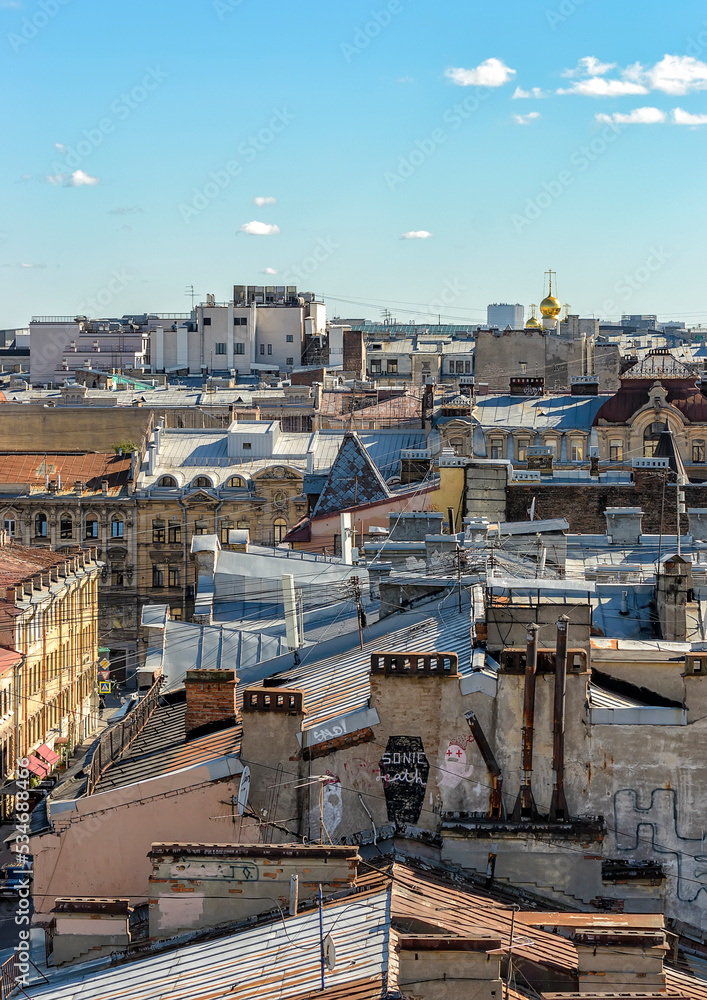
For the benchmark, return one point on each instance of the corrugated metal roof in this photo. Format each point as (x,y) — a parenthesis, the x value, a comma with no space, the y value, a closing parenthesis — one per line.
(538,412)
(33,468)
(280,959)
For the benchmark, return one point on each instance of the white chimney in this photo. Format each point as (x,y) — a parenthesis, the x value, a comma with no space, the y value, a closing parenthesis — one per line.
(346,539)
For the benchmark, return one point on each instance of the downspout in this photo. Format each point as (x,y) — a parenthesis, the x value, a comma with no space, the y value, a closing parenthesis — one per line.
(525,808)
(559,812)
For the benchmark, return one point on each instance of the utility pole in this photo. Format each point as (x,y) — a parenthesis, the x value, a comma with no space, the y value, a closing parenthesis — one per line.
(459,574)
(360,613)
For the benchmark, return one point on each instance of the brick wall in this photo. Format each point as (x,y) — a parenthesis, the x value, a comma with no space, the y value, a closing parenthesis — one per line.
(583,504)
(354,362)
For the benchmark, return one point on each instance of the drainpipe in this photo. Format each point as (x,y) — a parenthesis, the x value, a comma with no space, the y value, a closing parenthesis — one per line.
(497,809)
(559,812)
(525,808)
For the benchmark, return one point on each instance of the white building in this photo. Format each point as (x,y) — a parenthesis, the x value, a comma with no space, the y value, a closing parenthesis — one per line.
(503,315)
(262,329)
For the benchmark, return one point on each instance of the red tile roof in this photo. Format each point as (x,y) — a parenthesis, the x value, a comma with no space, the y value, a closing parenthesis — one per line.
(19,562)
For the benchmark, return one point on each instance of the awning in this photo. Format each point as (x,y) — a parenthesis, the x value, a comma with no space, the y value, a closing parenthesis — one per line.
(47,754)
(35,765)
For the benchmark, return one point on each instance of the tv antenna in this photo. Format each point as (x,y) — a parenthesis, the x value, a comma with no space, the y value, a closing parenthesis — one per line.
(190,291)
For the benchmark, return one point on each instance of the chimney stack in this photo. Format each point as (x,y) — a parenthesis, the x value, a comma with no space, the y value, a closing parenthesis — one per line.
(211,700)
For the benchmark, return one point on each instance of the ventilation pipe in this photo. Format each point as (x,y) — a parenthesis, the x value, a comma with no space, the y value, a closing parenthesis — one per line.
(525,808)
(290,603)
(559,812)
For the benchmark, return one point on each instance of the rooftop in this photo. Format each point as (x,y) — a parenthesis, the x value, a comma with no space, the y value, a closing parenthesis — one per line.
(32,471)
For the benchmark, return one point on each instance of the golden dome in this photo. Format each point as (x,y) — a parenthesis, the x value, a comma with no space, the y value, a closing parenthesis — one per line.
(550,307)
(532,324)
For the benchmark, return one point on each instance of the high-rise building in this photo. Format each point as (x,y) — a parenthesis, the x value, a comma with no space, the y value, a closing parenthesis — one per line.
(503,315)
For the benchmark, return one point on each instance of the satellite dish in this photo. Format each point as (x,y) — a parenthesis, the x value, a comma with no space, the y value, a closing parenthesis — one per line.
(243,790)
(329,953)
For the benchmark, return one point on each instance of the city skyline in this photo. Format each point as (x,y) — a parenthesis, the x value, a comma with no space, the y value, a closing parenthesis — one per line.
(385,156)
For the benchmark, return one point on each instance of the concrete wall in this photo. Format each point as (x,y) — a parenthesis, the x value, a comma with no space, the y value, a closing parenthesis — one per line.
(485,490)
(500,355)
(27,427)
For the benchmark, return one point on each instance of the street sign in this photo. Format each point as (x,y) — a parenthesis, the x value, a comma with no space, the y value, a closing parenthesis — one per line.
(105,675)
(104,687)
(104,663)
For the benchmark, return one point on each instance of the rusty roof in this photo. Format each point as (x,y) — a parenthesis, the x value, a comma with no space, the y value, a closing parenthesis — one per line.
(20,562)
(31,469)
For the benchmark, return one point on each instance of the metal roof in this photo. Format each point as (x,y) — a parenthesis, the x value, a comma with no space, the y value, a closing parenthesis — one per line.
(538,412)
(33,469)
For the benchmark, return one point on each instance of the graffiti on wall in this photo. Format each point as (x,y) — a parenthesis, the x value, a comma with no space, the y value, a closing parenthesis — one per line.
(454,767)
(361,774)
(655,829)
(404,771)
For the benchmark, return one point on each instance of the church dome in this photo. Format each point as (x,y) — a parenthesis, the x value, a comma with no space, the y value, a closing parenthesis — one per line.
(550,307)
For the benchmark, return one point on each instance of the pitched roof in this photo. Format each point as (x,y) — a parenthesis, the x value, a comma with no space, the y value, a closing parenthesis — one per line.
(659,364)
(32,469)
(353,479)
(19,562)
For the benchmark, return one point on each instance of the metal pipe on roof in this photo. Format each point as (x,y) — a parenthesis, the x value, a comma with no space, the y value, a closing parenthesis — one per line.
(497,810)
(525,808)
(558,805)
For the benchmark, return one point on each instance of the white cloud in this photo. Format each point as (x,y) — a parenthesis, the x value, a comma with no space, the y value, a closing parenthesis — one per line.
(125,210)
(23,264)
(598,86)
(678,75)
(534,92)
(526,119)
(270,270)
(60,146)
(260,201)
(491,73)
(77,179)
(681,117)
(589,66)
(259,229)
(416,234)
(639,116)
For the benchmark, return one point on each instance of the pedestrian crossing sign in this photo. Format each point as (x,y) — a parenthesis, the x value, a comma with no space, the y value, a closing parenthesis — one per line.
(104,687)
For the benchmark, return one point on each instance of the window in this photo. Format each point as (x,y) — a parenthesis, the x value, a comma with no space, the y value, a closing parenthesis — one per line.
(116,528)
(240,321)
(375,367)
(158,533)
(467,367)
(393,367)
(236,482)
(40,526)
(175,576)
(220,348)
(10,526)
(698,451)
(290,338)
(247,446)
(207,321)
(244,525)
(289,361)
(648,448)
(157,576)
(167,481)
(616,450)
(523,446)
(91,527)
(66,526)
(280,529)
(262,348)
(269,348)
(224,529)
(239,348)
(551,443)
(202,482)
(524,368)
(496,447)
(175,614)
(576,451)
(174,533)
(117,575)
(201,527)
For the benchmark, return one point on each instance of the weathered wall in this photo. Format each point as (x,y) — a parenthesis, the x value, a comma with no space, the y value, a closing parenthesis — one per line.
(25,427)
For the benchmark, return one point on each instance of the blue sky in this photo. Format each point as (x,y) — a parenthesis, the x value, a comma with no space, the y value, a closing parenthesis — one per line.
(137,137)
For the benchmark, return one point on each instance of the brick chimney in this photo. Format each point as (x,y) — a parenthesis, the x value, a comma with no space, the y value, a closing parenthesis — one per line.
(211,700)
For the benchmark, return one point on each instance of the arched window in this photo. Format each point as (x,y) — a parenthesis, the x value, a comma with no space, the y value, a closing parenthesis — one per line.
(91,526)
(237,482)
(651,436)
(66,526)
(167,481)
(280,529)
(40,526)
(116,527)
(202,482)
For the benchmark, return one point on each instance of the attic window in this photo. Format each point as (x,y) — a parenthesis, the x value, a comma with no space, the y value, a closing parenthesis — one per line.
(247,446)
